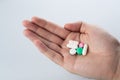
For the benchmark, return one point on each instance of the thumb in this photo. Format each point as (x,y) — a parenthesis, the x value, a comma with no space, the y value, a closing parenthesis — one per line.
(81,27)
(73,26)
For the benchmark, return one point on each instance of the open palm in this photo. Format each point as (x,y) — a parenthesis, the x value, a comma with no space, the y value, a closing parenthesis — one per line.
(51,40)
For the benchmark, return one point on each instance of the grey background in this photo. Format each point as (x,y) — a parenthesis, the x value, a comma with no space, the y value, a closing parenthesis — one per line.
(19,58)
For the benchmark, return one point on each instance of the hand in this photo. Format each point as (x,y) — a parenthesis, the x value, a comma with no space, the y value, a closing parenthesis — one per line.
(102,57)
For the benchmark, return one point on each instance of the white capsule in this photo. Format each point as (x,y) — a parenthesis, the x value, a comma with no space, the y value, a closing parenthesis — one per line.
(85,50)
(72,51)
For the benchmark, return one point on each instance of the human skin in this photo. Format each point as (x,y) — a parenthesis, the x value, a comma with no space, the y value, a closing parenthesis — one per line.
(102,61)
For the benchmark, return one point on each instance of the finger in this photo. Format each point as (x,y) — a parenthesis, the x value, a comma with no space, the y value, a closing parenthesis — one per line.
(53,28)
(55,57)
(77,27)
(43,33)
(30,25)
(32,36)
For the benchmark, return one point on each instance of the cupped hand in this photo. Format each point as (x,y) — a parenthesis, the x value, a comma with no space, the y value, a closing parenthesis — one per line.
(51,40)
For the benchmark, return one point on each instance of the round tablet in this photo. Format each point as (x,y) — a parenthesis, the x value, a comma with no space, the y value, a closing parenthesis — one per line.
(79,51)
(81,45)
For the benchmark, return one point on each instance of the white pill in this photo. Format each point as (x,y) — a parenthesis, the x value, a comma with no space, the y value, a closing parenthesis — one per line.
(69,45)
(85,50)
(72,51)
(72,44)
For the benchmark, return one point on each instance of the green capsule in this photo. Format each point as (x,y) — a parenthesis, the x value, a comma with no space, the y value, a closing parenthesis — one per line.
(79,51)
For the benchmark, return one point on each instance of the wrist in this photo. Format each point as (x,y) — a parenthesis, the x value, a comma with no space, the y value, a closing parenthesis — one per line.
(117,74)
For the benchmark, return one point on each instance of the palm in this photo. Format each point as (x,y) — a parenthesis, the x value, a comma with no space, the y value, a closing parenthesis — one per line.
(54,47)
(100,56)
(69,60)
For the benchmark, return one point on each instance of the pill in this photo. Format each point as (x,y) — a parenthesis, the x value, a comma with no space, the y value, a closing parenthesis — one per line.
(68,45)
(72,44)
(81,45)
(85,49)
(72,51)
(79,51)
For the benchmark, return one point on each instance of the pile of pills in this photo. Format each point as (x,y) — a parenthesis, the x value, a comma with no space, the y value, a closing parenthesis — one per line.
(77,48)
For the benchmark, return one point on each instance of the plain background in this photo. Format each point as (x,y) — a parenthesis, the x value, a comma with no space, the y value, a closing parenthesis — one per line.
(20,59)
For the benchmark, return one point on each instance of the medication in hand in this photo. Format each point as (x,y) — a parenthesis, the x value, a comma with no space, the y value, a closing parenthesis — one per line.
(77,48)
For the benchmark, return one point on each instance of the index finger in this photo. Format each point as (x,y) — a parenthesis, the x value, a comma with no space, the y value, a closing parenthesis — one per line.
(53,28)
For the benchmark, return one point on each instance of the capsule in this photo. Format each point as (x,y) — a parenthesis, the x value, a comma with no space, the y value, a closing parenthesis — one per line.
(85,49)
